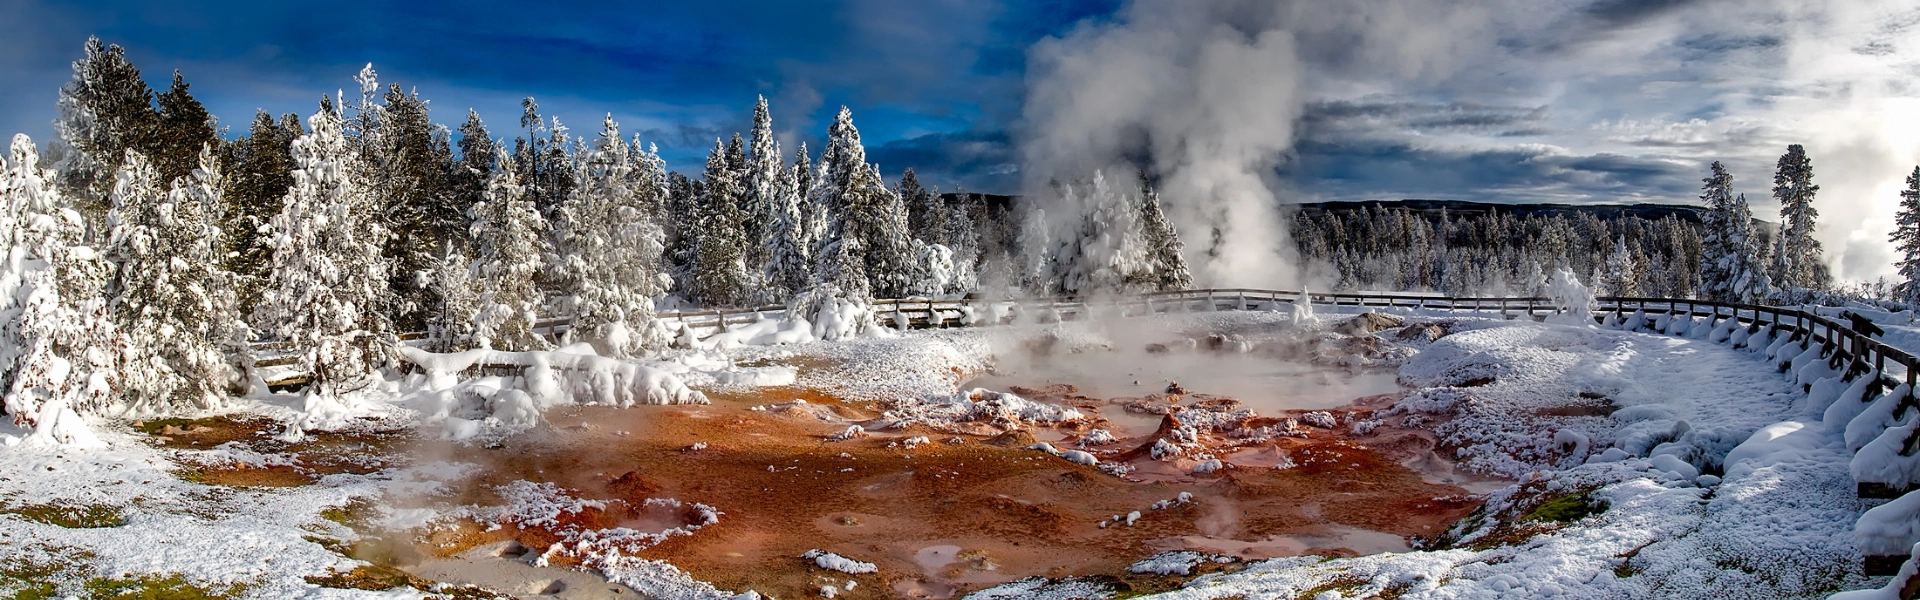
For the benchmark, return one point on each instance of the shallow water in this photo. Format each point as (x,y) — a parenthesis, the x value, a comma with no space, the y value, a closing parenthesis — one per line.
(1266,385)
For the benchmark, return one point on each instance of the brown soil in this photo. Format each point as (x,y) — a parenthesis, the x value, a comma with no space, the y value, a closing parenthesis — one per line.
(1014,512)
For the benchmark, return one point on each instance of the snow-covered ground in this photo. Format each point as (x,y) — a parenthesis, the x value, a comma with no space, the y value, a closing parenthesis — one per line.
(1645,465)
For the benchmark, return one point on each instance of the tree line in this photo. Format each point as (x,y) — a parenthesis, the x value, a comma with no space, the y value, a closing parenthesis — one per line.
(149,250)
(1726,255)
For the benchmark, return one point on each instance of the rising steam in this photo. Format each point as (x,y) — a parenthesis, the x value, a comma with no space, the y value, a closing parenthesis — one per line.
(1206,95)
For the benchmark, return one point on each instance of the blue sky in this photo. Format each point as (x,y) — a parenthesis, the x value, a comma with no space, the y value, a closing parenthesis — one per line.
(681,73)
(1503,100)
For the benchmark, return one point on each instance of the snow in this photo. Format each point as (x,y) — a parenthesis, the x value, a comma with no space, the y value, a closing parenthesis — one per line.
(1889,528)
(835,562)
(1179,562)
(1895,589)
(1884,460)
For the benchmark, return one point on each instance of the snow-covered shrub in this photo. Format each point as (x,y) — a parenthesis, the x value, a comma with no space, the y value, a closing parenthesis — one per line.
(1573,302)
(834,315)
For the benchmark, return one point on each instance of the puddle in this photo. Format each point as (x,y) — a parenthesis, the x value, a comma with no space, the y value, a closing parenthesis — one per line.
(504,567)
(1361,541)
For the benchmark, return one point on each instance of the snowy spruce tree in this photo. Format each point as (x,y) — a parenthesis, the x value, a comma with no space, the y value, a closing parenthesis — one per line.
(327,291)
(787,248)
(610,248)
(259,168)
(760,200)
(1721,252)
(1798,262)
(452,320)
(1108,254)
(171,299)
(105,110)
(719,275)
(1906,241)
(509,242)
(1166,256)
(61,352)
(1621,276)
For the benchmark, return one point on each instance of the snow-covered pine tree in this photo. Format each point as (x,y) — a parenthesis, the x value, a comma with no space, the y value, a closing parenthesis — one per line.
(1751,284)
(1035,266)
(454,318)
(1906,240)
(104,110)
(170,297)
(473,171)
(62,351)
(612,251)
(1166,255)
(719,275)
(1720,252)
(760,199)
(1798,263)
(788,251)
(260,169)
(874,215)
(328,285)
(182,128)
(926,214)
(1620,276)
(509,242)
(1109,254)
(962,237)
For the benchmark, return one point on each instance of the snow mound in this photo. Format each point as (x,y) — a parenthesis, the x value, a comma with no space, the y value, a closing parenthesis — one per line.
(835,562)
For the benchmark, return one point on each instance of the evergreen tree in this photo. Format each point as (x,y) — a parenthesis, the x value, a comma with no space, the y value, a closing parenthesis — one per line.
(453,321)
(60,351)
(182,129)
(1751,284)
(473,173)
(874,215)
(719,275)
(409,165)
(1166,255)
(1622,275)
(962,238)
(509,241)
(328,280)
(761,194)
(611,251)
(1107,253)
(1906,240)
(925,212)
(1720,251)
(260,169)
(787,248)
(104,111)
(1798,263)
(1035,268)
(171,298)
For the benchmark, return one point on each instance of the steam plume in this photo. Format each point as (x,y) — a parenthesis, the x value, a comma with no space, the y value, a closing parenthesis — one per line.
(1206,95)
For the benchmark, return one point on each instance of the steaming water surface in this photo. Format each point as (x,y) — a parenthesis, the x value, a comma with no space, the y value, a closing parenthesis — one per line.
(1266,385)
